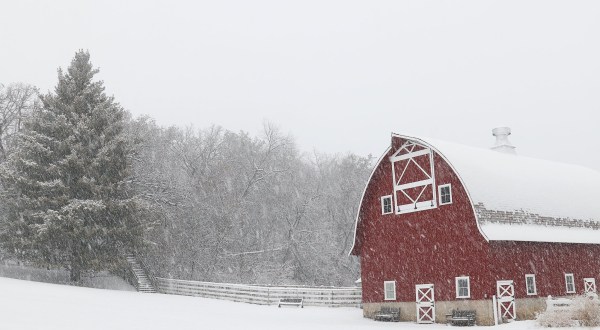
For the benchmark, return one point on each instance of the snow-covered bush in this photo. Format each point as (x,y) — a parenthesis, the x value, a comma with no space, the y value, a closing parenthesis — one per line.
(556,319)
(586,310)
(583,311)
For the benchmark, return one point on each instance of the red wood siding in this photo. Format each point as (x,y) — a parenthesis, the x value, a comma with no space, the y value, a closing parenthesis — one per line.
(433,246)
(437,245)
(548,261)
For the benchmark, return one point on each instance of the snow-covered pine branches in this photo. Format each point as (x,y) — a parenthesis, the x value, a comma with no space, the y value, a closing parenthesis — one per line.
(70,204)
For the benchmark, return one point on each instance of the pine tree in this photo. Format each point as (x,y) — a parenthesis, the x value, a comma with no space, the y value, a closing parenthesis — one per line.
(69,202)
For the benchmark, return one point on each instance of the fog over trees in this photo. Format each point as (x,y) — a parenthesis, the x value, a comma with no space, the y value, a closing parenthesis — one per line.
(214,205)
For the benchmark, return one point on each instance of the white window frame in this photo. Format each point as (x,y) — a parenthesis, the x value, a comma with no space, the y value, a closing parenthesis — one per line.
(385,296)
(456,279)
(534,293)
(391,205)
(591,280)
(440,193)
(567,275)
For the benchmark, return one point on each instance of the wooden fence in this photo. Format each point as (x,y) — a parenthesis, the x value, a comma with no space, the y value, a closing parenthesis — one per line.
(558,304)
(263,295)
(567,304)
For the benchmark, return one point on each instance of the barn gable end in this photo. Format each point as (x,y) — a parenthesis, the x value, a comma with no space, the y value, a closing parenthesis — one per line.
(420,237)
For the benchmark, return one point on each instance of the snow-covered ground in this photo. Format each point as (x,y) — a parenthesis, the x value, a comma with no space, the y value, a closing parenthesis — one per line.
(101,280)
(34,305)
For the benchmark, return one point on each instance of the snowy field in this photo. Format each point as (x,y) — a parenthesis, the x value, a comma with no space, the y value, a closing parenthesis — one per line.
(34,306)
(102,280)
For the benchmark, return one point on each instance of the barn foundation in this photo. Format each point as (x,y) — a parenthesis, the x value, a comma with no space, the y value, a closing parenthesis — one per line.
(408,310)
(527,308)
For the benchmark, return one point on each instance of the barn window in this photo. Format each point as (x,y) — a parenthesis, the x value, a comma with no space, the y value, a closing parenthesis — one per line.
(570,283)
(389,290)
(589,285)
(445,192)
(530,284)
(386,204)
(463,287)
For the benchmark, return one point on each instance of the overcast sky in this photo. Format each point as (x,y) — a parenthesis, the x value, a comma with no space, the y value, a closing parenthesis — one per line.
(339,75)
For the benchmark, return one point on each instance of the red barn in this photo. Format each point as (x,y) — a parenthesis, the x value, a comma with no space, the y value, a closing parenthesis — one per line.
(444,226)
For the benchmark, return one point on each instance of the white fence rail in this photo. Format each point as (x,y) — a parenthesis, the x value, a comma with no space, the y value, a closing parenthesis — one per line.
(263,295)
(558,304)
(567,304)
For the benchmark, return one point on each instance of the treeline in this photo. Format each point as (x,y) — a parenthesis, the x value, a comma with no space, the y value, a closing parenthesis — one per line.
(228,206)
(231,207)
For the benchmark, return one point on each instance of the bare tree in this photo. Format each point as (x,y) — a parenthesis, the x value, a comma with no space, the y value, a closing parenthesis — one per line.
(250,209)
(17,100)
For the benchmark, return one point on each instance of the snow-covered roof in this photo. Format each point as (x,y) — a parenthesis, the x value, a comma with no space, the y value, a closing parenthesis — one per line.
(526,199)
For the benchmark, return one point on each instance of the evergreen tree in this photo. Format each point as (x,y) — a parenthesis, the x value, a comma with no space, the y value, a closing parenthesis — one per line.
(69,202)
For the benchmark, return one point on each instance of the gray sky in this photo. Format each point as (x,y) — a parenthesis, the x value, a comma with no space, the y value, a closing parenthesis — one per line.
(339,75)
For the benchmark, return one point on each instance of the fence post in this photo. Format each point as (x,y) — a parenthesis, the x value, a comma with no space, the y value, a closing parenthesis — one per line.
(495,309)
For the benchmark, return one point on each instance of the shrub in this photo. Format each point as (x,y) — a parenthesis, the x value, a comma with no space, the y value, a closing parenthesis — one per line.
(556,319)
(584,311)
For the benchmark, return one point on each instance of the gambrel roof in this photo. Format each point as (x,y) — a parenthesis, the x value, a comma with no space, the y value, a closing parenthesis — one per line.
(521,198)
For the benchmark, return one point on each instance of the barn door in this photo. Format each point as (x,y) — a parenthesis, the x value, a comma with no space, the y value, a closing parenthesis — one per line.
(506,299)
(413,178)
(589,285)
(425,303)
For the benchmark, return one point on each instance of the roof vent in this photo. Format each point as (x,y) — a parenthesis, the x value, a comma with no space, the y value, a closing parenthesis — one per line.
(502,144)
